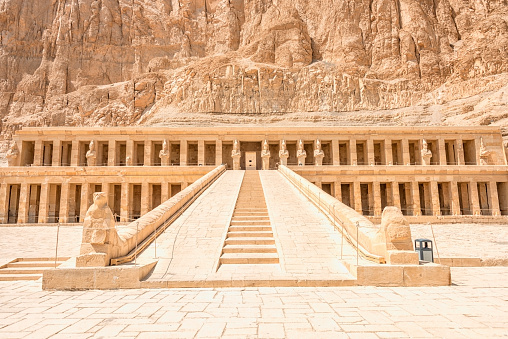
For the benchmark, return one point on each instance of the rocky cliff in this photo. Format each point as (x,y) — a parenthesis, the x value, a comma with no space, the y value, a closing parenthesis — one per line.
(125,62)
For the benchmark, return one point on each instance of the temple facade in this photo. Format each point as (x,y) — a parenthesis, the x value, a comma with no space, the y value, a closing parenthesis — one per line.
(429,173)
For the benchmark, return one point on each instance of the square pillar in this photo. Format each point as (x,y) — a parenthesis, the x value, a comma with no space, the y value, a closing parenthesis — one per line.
(148,153)
(145,198)
(352,155)
(38,153)
(183,153)
(377,198)
(460,152)
(4,201)
(388,152)
(164,191)
(337,190)
(44,203)
(405,152)
(357,196)
(396,195)
(370,152)
(335,153)
(124,203)
(417,210)
(434,193)
(455,198)
(201,152)
(112,153)
(75,153)
(442,152)
(474,198)
(184,185)
(85,189)
(24,203)
(129,154)
(64,203)
(494,199)
(57,153)
(218,152)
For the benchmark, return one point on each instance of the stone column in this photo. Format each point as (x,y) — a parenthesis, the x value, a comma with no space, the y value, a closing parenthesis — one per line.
(494,199)
(335,153)
(455,206)
(377,198)
(145,198)
(396,195)
(112,153)
(106,189)
(75,153)
(337,190)
(370,152)
(38,153)
(442,151)
(357,197)
(64,202)
(148,153)
(460,152)
(85,192)
(44,203)
(477,143)
(57,153)
(4,201)
(129,153)
(352,152)
(24,203)
(405,152)
(417,211)
(218,152)
(124,203)
(434,193)
(46,161)
(388,152)
(201,152)
(164,191)
(183,152)
(475,203)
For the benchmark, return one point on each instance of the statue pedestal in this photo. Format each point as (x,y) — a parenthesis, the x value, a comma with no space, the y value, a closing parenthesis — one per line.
(266,161)
(236,161)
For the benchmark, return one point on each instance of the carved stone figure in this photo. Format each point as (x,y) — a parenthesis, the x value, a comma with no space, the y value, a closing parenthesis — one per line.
(236,155)
(99,234)
(283,153)
(164,154)
(484,153)
(301,154)
(12,154)
(91,155)
(426,153)
(265,155)
(128,161)
(318,154)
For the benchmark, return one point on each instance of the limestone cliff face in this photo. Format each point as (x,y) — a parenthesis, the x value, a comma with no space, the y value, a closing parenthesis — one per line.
(121,62)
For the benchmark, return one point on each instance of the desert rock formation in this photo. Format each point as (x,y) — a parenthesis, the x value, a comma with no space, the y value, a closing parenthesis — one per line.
(125,62)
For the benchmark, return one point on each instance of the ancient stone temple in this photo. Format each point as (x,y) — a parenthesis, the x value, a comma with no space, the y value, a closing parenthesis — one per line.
(429,173)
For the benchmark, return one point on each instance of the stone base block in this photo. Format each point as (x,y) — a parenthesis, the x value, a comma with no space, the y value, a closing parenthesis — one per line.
(92,260)
(85,278)
(402,258)
(428,274)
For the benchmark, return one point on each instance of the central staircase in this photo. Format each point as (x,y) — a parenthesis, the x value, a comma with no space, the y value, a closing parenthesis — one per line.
(250,236)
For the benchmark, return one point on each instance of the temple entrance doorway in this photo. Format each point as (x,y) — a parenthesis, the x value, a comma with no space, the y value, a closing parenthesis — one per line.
(250,160)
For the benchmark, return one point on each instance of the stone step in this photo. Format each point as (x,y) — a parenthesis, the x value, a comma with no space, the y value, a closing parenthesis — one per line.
(249,258)
(244,215)
(33,264)
(249,228)
(250,222)
(24,270)
(13,277)
(251,234)
(250,241)
(249,249)
(251,210)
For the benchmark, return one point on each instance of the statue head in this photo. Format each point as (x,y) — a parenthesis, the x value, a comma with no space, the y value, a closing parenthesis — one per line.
(283,145)
(165,145)
(100,199)
(318,144)
(300,145)
(235,145)
(92,146)
(424,144)
(265,145)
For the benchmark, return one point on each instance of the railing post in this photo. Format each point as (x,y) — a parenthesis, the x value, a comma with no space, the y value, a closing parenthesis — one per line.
(357,227)
(56,247)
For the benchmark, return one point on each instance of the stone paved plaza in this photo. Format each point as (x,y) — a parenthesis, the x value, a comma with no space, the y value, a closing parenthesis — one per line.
(476,306)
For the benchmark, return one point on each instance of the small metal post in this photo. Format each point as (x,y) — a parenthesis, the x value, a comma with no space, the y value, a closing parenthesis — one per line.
(357,250)
(56,247)
(435,242)
(155,239)
(136,250)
